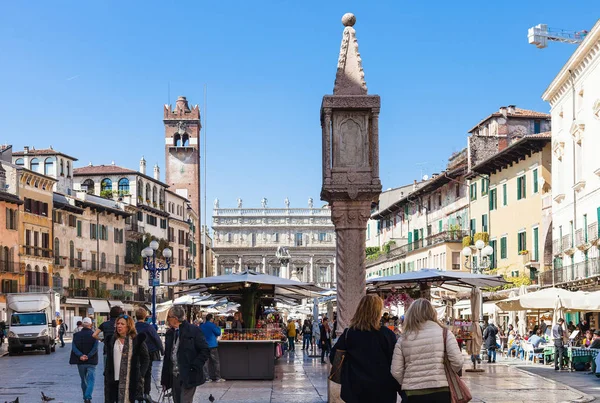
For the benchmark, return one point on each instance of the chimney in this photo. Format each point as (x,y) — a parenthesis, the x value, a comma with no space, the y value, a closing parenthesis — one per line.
(25,149)
(511,109)
(415,185)
(503,111)
(143,166)
(156,172)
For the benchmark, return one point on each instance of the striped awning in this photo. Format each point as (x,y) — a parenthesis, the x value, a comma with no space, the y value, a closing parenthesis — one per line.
(100,305)
(77,301)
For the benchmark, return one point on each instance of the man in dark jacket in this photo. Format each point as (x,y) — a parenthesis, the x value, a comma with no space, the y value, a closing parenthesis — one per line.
(84,353)
(186,352)
(154,345)
(489,337)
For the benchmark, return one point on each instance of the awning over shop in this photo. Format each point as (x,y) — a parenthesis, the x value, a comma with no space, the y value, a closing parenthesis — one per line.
(77,301)
(128,307)
(100,305)
(115,303)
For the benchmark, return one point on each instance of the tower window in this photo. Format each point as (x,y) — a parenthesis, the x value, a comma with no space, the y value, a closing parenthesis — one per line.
(177,140)
(19,161)
(123,186)
(105,185)
(48,166)
(185,140)
(88,186)
(34,165)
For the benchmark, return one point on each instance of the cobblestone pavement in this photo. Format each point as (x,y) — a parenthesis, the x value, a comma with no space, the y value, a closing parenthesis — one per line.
(299,378)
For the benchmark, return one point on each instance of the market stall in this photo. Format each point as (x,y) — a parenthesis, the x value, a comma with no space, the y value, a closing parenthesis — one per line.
(250,352)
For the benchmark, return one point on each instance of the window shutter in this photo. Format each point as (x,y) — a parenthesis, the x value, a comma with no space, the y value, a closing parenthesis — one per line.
(518,188)
(8,214)
(535,181)
(524,179)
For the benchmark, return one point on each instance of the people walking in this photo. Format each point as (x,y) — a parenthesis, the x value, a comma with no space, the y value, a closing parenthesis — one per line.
(559,345)
(153,344)
(212,368)
(291,334)
(418,362)
(84,354)
(186,352)
(306,335)
(489,336)
(325,339)
(62,330)
(368,347)
(127,360)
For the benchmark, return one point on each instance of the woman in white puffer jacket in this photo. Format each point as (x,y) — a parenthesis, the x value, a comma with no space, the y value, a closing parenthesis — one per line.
(418,362)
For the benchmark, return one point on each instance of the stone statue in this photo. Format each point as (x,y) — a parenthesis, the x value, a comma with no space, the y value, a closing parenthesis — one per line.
(264,202)
(216,203)
(310,202)
(239,200)
(287,202)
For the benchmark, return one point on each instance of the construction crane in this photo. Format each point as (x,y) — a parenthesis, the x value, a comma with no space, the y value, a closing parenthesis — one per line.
(541,34)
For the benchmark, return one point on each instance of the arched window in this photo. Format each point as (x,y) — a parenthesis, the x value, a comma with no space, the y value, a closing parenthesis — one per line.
(88,185)
(177,140)
(48,167)
(103,260)
(44,279)
(185,140)
(37,276)
(68,169)
(123,186)
(140,189)
(154,194)
(117,264)
(106,184)
(148,192)
(62,167)
(71,254)
(56,251)
(19,161)
(34,164)
(72,281)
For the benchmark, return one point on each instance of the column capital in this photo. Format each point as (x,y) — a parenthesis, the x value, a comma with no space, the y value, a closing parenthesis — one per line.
(350,214)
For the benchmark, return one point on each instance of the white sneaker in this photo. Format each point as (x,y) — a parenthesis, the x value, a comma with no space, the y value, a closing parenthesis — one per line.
(221,380)
(208,380)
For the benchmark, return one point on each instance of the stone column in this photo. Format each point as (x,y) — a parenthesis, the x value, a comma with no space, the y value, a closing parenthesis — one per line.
(264,264)
(217,269)
(240,267)
(311,276)
(350,219)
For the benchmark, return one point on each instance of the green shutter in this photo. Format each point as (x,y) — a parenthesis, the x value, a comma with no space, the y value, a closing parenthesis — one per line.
(493,256)
(505,196)
(536,249)
(410,241)
(524,179)
(518,188)
(503,248)
(535,181)
(440,226)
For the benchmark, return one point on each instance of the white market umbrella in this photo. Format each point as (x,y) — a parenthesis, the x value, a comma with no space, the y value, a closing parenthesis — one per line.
(474,345)
(559,312)
(545,299)
(435,277)
(522,314)
(512,315)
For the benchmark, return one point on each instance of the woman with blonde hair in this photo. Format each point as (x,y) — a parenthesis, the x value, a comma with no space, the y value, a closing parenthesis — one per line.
(368,347)
(418,362)
(127,361)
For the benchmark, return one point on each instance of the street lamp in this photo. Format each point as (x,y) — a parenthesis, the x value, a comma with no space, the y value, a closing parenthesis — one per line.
(149,262)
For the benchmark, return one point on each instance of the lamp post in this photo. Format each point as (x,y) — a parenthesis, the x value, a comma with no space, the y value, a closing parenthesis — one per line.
(150,265)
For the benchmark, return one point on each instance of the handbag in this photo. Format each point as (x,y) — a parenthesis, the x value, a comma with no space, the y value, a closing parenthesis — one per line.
(335,374)
(458,388)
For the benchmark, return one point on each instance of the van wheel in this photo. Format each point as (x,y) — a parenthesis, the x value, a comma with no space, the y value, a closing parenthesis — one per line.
(47,349)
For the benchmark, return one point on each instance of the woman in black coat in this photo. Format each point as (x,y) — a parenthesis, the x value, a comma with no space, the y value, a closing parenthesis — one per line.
(124,383)
(489,337)
(369,348)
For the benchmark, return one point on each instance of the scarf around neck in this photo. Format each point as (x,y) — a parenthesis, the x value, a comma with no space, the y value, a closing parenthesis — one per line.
(125,369)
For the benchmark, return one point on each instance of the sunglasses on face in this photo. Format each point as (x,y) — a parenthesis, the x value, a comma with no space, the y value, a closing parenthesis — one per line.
(123,316)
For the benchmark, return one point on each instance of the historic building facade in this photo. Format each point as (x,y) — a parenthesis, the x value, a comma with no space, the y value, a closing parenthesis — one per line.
(574,99)
(248,238)
(510,207)
(422,224)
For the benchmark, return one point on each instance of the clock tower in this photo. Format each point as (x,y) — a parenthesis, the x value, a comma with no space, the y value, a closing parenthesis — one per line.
(182,158)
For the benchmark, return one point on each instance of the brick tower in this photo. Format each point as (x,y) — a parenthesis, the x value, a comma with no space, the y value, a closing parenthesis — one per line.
(182,159)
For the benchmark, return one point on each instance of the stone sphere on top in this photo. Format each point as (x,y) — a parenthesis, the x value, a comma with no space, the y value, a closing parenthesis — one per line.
(348,20)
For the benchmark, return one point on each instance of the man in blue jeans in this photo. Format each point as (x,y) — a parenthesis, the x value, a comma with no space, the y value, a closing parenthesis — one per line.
(84,353)
(212,367)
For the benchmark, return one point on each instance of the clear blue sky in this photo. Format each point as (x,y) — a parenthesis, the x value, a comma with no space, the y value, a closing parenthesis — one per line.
(90,79)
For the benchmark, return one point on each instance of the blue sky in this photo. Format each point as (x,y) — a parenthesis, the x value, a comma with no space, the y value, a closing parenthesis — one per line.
(90,79)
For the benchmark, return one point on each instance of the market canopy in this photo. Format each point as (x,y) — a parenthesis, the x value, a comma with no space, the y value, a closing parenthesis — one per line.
(546,298)
(234,284)
(436,277)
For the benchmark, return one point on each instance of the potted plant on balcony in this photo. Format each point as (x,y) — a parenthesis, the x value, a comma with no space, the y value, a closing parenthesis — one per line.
(140,199)
(106,193)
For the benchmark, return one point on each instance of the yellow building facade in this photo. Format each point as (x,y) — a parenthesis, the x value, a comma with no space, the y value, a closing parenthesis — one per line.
(510,207)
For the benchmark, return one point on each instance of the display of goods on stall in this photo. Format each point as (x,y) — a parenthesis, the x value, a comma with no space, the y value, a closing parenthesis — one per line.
(461,329)
(274,334)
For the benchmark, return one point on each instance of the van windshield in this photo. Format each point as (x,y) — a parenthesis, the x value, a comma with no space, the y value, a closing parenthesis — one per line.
(28,319)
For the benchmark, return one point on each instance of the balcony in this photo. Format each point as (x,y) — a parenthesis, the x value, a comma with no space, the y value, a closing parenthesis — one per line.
(402,250)
(121,294)
(576,272)
(76,292)
(37,288)
(29,250)
(9,267)
(556,247)
(135,228)
(567,244)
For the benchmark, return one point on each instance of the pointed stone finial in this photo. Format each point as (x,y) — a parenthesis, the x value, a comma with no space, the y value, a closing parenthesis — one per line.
(350,76)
